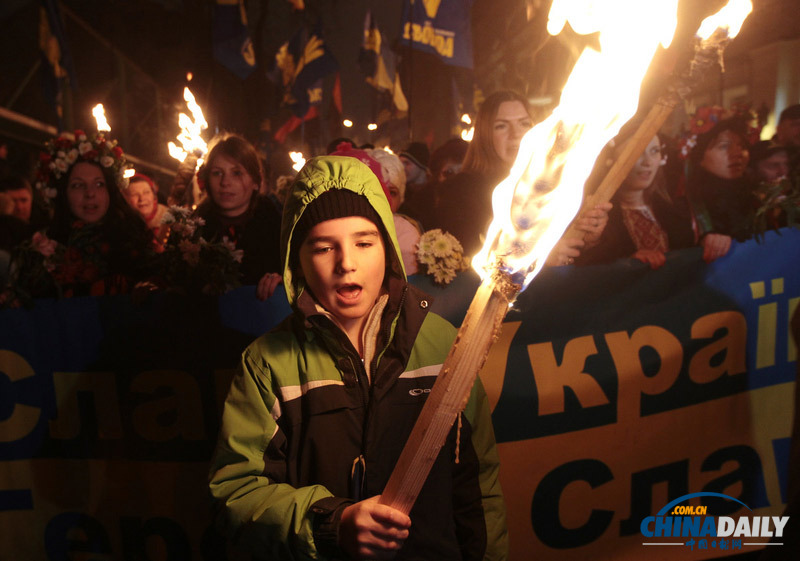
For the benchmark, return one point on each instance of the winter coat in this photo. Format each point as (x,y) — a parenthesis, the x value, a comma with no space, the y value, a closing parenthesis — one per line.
(256,233)
(306,432)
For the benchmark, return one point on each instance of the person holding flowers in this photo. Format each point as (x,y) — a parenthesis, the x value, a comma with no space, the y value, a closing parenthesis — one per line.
(234,212)
(96,243)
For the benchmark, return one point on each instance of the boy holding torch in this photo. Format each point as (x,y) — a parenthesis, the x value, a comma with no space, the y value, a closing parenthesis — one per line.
(322,406)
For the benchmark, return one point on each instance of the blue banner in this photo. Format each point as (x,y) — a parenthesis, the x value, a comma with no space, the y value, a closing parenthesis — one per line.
(614,390)
(440,27)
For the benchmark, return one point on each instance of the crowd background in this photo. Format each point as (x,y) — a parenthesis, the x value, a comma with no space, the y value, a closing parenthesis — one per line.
(76,224)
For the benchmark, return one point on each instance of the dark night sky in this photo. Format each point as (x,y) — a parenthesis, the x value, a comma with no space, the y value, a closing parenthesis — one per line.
(167,38)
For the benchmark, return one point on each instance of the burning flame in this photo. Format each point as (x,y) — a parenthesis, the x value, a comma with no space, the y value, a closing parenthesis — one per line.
(729,19)
(99,114)
(535,204)
(467,134)
(191,127)
(298,159)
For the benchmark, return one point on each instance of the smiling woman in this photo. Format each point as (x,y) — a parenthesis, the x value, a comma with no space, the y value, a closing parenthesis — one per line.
(96,244)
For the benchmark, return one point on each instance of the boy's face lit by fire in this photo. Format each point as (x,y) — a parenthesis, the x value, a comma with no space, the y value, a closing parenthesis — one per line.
(343,263)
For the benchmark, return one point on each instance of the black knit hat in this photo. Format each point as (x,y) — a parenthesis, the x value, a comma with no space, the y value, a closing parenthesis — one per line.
(418,153)
(336,203)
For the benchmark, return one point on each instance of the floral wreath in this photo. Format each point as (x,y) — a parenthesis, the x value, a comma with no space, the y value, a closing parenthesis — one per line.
(66,149)
(706,117)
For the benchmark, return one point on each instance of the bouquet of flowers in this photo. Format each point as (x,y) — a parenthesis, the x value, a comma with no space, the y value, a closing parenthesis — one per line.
(779,202)
(193,263)
(441,256)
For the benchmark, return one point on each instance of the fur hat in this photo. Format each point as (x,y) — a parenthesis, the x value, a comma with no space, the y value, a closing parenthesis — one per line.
(391,168)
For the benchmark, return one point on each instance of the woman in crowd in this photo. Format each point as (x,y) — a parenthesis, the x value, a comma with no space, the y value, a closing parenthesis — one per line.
(774,187)
(463,205)
(464,202)
(645,221)
(408,230)
(142,195)
(232,176)
(720,194)
(96,244)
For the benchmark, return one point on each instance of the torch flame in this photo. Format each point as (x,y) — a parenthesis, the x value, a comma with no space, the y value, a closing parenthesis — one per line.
(99,114)
(730,18)
(534,205)
(191,128)
(298,159)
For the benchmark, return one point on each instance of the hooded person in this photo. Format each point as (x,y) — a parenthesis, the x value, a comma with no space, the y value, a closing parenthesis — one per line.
(322,406)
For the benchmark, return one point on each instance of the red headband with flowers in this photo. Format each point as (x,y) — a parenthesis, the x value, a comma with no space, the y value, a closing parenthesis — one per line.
(67,149)
(708,116)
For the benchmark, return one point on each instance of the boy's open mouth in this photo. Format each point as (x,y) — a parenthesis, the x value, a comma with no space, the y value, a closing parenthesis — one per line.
(349,291)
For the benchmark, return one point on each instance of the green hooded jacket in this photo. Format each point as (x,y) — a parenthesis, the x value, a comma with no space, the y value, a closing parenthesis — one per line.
(308,428)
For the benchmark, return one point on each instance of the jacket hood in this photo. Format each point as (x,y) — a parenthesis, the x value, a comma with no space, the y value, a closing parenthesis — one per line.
(322,174)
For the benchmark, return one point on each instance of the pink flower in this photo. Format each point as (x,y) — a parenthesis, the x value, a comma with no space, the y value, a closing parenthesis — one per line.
(43,244)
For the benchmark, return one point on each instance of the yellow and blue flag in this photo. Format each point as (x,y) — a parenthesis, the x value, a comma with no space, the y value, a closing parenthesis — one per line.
(441,27)
(300,65)
(379,64)
(231,42)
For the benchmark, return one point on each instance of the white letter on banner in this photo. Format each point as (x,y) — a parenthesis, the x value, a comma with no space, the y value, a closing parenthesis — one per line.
(732,343)
(725,526)
(779,522)
(184,399)
(24,418)
(632,379)
(102,387)
(551,378)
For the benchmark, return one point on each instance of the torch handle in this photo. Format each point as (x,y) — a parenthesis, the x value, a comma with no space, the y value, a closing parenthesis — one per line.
(450,392)
(651,124)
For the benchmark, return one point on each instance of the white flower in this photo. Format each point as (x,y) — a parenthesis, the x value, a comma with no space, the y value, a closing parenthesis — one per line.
(50,193)
(82,138)
(72,155)
(84,147)
(61,154)
(106,161)
(236,254)
(190,252)
(443,246)
(61,165)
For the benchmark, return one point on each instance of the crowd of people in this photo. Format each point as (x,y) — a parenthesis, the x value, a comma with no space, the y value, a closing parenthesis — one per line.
(79,227)
(319,411)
